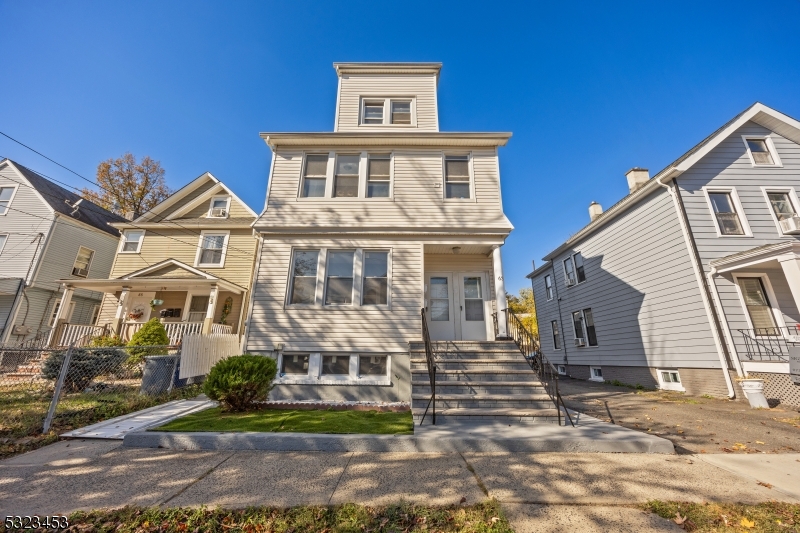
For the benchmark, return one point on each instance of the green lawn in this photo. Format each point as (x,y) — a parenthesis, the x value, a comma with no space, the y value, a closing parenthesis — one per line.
(296,421)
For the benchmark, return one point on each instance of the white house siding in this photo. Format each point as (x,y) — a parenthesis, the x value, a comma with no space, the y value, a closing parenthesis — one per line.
(643,293)
(418,197)
(319,328)
(353,87)
(728,165)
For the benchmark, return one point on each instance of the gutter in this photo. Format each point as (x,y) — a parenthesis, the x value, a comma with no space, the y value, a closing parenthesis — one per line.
(713,319)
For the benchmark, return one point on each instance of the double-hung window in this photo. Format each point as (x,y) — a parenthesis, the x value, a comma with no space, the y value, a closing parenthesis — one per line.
(782,205)
(583,324)
(219,207)
(378,176)
(574,271)
(339,278)
(3,240)
(375,289)
(373,112)
(304,277)
(401,112)
(345,181)
(579,270)
(132,241)
(577,325)
(728,219)
(315,175)
(387,111)
(556,335)
(82,262)
(212,249)
(548,287)
(456,176)
(569,272)
(6,195)
(761,151)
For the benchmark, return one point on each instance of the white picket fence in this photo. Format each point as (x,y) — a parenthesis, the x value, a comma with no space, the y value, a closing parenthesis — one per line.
(200,352)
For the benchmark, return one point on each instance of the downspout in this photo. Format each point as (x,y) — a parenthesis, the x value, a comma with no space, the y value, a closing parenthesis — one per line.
(252,292)
(731,347)
(701,282)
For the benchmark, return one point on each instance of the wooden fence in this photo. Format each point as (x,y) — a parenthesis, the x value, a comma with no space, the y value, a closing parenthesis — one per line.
(200,352)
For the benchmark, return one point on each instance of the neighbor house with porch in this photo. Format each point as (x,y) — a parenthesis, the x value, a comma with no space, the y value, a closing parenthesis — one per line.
(188,261)
(693,279)
(366,226)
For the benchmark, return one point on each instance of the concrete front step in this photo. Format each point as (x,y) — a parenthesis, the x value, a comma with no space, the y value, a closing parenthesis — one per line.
(478,365)
(521,376)
(528,416)
(484,401)
(478,388)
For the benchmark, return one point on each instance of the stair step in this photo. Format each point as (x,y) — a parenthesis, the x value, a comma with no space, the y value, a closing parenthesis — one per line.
(489,412)
(526,372)
(454,383)
(483,360)
(490,397)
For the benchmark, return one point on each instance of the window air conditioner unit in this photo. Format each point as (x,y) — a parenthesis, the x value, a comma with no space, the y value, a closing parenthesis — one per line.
(791,226)
(218,212)
(580,342)
(82,272)
(570,282)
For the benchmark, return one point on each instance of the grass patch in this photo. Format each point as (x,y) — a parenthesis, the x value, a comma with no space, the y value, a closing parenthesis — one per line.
(23,410)
(297,421)
(717,517)
(618,383)
(485,517)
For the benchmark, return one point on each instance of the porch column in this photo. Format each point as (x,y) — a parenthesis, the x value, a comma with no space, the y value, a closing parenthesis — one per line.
(500,294)
(791,269)
(122,308)
(212,305)
(61,315)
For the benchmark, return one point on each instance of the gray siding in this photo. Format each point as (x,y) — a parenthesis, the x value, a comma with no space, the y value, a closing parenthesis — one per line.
(642,290)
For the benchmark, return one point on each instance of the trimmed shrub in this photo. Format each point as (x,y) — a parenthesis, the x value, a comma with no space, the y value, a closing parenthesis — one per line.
(84,366)
(240,381)
(152,333)
(105,341)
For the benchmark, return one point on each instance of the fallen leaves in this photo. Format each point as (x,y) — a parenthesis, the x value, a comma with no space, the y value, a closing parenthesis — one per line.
(684,522)
(749,524)
(763,484)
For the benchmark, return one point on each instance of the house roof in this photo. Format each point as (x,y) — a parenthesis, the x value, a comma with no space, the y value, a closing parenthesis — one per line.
(195,223)
(387,68)
(759,113)
(386,139)
(62,201)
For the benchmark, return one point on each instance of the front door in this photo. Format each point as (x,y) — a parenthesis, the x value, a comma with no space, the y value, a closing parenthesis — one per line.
(471,296)
(139,306)
(455,305)
(439,306)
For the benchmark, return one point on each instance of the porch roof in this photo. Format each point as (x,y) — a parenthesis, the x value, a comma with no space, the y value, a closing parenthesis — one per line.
(754,256)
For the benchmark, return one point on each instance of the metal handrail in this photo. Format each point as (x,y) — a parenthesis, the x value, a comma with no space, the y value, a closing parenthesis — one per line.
(770,343)
(528,344)
(429,360)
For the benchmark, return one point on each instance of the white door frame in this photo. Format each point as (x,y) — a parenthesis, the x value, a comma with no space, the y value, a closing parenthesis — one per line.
(459,300)
(773,300)
(435,327)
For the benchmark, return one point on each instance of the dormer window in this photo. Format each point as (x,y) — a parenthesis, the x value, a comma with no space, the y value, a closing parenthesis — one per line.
(387,111)
(373,112)
(761,151)
(220,207)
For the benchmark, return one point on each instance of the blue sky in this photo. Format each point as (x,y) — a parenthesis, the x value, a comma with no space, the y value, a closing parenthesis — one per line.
(588,90)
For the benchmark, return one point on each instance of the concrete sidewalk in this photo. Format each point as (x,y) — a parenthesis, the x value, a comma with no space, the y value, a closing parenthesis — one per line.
(536,488)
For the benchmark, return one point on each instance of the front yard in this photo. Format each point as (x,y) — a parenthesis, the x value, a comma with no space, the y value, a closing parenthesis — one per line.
(296,421)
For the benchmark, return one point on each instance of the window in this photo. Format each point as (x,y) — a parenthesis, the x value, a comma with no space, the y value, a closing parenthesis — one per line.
(304,277)
(548,287)
(212,249)
(294,364)
(373,112)
(315,175)
(81,266)
(456,176)
(95,314)
(376,278)
(473,299)
(378,176)
(56,307)
(758,306)
(670,380)
(6,195)
(569,272)
(588,322)
(556,335)
(578,260)
(440,300)
(782,205)
(728,222)
(596,373)
(339,279)
(761,151)
(562,370)
(3,240)
(219,207)
(336,365)
(577,324)
(401,112)
(574,271)
(345,180)
(132,241)
(371,365)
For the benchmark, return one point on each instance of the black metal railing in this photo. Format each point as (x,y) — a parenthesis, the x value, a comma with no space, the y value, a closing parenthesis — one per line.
(770,344)
(528,344)
(429,360)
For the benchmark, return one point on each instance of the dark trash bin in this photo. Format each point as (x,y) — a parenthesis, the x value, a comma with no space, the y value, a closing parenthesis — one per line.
(158,374)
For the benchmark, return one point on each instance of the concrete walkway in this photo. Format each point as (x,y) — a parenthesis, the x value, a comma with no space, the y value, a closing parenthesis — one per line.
(538,490)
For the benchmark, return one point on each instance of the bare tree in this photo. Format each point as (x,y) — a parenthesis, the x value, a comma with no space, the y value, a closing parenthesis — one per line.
(127,186)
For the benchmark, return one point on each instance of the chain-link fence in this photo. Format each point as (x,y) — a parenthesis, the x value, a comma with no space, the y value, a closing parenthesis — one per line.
(70,387)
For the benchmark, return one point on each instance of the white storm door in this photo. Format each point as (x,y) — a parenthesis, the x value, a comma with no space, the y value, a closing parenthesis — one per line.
(439,306)
(472,293)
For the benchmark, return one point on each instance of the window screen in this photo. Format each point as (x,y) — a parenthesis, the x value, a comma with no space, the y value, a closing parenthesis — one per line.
(378,177)
(132,240)
(345,183)
(781,205)
(401,112)
(456,172)
(727,218)
(304,277)
(373,112)
(314,176)
(440,300)
(339,283)
(569,271)
(211,252)
(376,276)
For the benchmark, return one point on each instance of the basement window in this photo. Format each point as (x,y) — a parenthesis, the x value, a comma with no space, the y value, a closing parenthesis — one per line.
(670,380)
(596,373)
(294,364)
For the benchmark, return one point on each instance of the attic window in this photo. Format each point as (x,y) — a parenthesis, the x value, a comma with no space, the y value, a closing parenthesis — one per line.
(761,151)
(373,112)
(82,262)
(220,207)
(401,112)
(6,195)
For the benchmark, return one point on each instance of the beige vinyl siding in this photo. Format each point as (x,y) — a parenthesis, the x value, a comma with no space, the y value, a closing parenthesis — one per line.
(320,328)
(462,263)
(353,87)
(418,198)
(201,211)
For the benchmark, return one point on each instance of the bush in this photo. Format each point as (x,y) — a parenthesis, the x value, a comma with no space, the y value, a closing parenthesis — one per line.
(240,381)
(105,341)
(151,334)
(84,366)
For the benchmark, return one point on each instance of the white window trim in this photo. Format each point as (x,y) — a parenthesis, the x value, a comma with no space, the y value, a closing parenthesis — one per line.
(591,374)
(227,205)
(670,386)
(328,177)
(88,266)
(315,377)
(552,295)
(124,239)
(583,325)
(364,176)
(388,303)
(560,371)
(10,200)
(571,259)
(54,312)
(321,258)
(95,314)
(355,291)
(560,335)
(737,205)
(387,110)
(776,160)
(198,254)
(361,176)
(792,198)
(188,302)
(3,244)
(470,166)
(773,301)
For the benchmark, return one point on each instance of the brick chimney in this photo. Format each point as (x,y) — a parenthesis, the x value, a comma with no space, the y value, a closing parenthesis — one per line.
(637,178)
